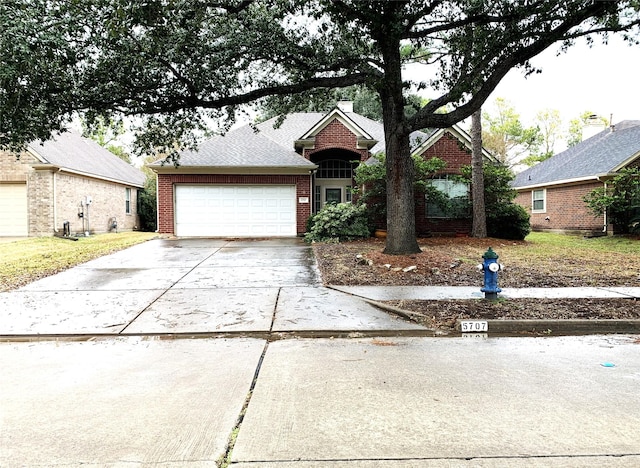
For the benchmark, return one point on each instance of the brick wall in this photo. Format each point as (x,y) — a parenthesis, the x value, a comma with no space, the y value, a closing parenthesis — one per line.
(452,151)
(166,184)
(565,209)
(336,135)
(455,154)
(108,202)
(13,170)
(54,197)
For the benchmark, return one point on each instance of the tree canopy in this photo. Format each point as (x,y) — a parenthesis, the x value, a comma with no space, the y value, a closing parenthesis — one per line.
(177,65)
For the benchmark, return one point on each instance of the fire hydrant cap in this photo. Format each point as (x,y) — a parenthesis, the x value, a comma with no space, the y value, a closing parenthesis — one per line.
(490,254)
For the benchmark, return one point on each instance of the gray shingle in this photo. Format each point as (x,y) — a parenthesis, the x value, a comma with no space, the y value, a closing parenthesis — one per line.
(266,146)
(244,147)
(71,151)
(600,154)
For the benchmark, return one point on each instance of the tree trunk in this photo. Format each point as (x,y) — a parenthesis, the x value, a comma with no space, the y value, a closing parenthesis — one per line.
(401,218)
(479,228)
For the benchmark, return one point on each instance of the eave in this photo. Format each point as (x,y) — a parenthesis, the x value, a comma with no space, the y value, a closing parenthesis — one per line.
(237,170)
(54,168)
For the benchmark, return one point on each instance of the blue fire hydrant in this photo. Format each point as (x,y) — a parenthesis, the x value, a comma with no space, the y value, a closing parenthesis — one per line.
(490,267)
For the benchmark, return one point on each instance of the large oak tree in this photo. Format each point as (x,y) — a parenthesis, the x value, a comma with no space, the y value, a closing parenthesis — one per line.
(176,64)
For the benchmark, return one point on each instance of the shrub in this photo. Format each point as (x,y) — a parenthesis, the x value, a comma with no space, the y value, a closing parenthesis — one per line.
(508,221)
(620,199)
(147,206)
(342,221)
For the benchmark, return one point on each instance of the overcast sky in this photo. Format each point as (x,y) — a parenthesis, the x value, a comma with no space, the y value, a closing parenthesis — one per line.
(604,79)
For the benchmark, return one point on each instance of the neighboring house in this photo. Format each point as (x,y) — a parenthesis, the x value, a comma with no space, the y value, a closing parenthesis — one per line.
(264,181)
(553,190)
(51,182)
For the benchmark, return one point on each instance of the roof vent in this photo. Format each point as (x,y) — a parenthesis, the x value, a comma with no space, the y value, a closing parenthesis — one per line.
(345,106)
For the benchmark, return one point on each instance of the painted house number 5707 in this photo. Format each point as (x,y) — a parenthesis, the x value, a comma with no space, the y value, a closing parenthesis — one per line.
(475,326)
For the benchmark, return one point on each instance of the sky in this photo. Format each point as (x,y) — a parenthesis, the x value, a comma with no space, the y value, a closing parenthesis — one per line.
(603,79)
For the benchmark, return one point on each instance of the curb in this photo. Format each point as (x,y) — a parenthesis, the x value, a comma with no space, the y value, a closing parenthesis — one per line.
(549,327)
(555,327)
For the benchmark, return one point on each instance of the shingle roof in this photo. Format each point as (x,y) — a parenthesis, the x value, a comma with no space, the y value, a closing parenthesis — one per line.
(601,154)
(71,151)
(263,145)
(244,147)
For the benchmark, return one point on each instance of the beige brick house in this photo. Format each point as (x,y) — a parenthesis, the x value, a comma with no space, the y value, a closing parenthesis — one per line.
(68,181)
(553,190)
(266,180)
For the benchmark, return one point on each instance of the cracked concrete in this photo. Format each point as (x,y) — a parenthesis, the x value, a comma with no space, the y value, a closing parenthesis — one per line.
(327,380)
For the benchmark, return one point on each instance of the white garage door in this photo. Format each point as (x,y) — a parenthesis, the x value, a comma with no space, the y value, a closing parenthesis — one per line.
(235,210)
(13,210)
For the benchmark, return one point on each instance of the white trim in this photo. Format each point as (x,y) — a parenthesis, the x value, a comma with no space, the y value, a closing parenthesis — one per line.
(236,170)
(47,165)
(457,132)
(558,182)
(363,139)
(343,118)
(627,162)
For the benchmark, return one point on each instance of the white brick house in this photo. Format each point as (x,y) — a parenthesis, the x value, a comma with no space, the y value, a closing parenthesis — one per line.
(50,183)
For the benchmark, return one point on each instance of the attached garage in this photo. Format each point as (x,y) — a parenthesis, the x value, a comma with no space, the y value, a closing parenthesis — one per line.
(13,210)
(235,210)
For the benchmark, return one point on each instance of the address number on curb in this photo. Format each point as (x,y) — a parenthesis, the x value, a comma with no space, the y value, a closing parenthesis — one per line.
(474,326)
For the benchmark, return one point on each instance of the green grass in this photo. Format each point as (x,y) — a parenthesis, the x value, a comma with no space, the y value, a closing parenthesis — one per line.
(576,256)
(26,260)
(614,244)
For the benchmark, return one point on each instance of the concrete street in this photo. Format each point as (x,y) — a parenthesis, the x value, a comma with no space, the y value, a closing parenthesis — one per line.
(205,353)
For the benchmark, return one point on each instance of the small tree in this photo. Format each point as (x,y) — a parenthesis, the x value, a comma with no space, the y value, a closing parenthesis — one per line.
(620,200)
(371,176)
(505,219)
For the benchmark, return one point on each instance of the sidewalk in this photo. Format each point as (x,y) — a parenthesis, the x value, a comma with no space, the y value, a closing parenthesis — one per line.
(102,369)
(375,295)
(431,293)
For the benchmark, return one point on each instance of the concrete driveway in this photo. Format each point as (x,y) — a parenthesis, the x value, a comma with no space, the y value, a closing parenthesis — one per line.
(187,286)
(123,393)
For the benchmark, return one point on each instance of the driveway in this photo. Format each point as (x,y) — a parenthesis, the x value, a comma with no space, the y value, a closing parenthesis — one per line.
(187,286)
(134,398)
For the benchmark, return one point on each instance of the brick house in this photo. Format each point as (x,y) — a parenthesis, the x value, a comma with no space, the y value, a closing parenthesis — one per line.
(51,182)
(552,191)
(259,180)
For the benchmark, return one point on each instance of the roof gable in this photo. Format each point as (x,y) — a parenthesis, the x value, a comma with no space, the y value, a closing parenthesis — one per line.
(74,153)
(272,143)
(604,153)
(363,138)
(431,136)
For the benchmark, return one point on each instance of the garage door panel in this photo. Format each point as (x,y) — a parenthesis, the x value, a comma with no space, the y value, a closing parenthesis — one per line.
(239,211)
(13,210)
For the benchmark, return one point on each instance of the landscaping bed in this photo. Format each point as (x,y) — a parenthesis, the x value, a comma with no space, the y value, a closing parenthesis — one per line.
(543,260)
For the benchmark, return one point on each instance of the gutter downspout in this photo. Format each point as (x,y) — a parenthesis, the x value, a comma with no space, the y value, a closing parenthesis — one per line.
(605,211)
(55,204)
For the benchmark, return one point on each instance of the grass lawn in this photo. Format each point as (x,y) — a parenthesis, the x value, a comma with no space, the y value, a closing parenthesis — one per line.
(26,260)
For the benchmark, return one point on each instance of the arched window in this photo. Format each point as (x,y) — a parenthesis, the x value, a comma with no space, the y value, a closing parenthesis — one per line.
(334,169)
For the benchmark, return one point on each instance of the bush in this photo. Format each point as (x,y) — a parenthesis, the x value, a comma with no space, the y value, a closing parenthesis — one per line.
(336,222)
(508,221)
(620,199)
(147,207)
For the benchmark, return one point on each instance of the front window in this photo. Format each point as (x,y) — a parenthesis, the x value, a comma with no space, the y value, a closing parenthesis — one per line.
(538,201)
(450,199)
(333,196)
(127,202)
